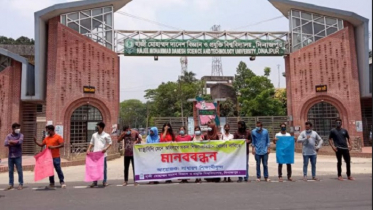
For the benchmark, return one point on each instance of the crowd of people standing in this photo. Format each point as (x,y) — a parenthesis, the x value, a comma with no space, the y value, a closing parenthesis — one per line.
(258,139)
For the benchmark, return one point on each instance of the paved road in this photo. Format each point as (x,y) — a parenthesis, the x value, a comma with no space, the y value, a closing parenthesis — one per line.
(326,194)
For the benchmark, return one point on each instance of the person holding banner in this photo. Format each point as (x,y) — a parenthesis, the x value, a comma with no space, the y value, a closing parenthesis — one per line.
(212,135)
(167,133)
(308,138)
(182,135)
(167,136)
(100,141)
(14,142)
(288,166)
(243,133)
(226,137)
(261,150)
(53,142)
(153,138)
(198,137)
(130,137)
(340,142)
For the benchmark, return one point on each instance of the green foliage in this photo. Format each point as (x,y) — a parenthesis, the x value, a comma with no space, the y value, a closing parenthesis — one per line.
(133,113)
(20,41)
(256,94)
(168,99)
(227,108)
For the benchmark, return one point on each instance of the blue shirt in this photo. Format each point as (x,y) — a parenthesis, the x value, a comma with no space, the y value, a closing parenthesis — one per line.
(260,141)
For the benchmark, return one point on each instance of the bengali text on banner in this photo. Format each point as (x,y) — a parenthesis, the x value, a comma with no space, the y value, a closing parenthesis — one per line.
(185,160)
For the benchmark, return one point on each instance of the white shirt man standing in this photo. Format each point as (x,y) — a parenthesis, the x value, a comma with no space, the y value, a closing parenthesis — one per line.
(100,141)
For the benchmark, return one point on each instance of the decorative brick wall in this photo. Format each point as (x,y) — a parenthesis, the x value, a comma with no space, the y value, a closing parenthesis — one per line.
(10,96)
(75,61)
(330,61)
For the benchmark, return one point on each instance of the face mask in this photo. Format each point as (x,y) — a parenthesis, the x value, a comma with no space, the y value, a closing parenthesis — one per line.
(128,132)
(198,133)
(47,133)
(258,128)
(96,129)
(209,129)
(182,132)
(283,128)
(339,124)
(17,131)
(308,131)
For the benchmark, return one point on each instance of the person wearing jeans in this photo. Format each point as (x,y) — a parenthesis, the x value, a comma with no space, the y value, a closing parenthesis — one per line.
(309,138)
(14,142)
(340,141)
(288,166)
(101,142)
(261,150)
(53,142)
(243,133)
(130,138)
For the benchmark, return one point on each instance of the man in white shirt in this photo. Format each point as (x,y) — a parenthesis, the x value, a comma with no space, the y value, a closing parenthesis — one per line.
(288,166)
(100,141)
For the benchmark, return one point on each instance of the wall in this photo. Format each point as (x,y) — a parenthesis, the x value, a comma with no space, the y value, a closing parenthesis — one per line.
(331,61)
(75,61)
(10,94)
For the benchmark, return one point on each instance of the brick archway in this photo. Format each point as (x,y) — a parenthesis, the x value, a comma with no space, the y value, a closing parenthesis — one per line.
(324,98)
(106,117)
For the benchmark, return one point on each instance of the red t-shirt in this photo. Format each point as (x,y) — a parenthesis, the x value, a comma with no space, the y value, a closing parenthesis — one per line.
(166,139)
(180,138)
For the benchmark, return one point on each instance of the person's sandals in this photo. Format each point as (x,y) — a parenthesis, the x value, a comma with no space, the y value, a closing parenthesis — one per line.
(258,179)
(229,180)
(50,187)
(20,187)
(125,184)
(267,180)
(9,188)
(280,179)
(105,184)
(290,179)
(305,179)
(340,178)
(315,179)
(351,178)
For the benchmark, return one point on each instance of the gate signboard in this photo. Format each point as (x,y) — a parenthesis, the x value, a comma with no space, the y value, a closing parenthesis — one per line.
(196,47)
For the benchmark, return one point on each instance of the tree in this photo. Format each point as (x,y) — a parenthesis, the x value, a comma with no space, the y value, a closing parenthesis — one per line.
(256,93)
(280,94)
(133,113)
(227,108)
(188,77)
(20,41)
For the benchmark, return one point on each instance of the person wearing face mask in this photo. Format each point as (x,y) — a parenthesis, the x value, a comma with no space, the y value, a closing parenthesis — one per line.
(101,142)
(53,142)
(226,136)
(340,142)
(153,138)
(14,142)
(212,135)
(308,138)
(243,133)
(183,136)
(288,166)
(261,150)
(198,137)
(130,138)
(197,134)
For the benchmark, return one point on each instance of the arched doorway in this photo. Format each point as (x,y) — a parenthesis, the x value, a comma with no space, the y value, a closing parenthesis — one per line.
(322,115)
(83,123)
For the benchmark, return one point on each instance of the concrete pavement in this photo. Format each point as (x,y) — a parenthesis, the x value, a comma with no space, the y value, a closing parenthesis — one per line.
(326,166)
(327,194)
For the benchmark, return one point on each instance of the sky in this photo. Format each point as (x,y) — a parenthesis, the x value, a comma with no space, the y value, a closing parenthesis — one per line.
(141,73)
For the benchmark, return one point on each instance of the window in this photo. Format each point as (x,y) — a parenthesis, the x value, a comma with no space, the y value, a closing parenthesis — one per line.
(307,28)
(39,108)
(323,115)
(97,24)
(83,123)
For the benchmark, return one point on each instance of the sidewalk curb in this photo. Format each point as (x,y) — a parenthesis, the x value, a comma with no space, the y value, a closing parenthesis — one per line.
(63,164)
